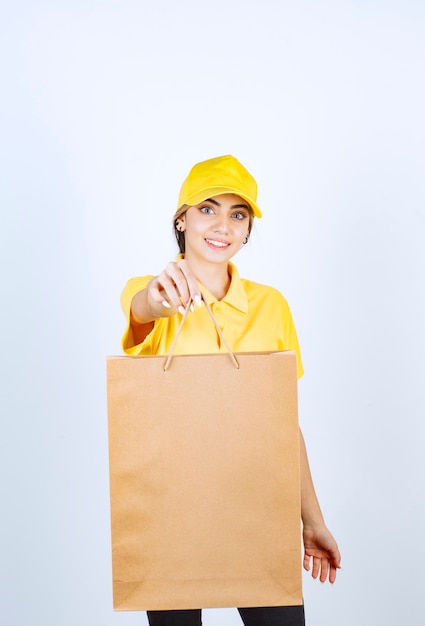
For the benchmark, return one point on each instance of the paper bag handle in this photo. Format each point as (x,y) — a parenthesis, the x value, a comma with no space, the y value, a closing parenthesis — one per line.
(220,333)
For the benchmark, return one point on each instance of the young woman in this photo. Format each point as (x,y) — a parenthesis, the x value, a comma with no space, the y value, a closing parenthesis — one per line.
(216,209)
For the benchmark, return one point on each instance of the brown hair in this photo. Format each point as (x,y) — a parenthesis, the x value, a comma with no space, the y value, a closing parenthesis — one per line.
(177,233)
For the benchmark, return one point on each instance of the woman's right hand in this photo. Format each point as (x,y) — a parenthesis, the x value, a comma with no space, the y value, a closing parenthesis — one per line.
(167,293)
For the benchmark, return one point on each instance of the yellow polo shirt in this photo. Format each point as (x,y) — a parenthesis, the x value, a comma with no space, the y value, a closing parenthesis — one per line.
(253,318)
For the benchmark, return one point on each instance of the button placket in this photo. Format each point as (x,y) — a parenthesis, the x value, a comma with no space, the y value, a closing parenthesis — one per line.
(217,310)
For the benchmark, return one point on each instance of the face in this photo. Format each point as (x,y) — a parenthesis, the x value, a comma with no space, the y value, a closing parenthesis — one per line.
(216,229)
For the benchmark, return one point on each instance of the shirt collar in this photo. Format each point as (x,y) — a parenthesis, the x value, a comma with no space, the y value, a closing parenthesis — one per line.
(236,295)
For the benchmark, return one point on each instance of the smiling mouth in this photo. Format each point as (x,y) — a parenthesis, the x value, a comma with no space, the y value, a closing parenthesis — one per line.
(217,244)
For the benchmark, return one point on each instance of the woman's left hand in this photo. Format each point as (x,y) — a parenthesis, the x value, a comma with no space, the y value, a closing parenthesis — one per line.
(320,546)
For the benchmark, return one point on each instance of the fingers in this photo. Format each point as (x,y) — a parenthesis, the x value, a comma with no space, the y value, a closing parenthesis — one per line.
(174,287)
(334,563)
(332,574)
(320,568)
(317,565)
(323,568)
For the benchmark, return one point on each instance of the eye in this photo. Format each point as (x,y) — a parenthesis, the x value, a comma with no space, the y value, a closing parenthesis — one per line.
(207,210)
(239,215)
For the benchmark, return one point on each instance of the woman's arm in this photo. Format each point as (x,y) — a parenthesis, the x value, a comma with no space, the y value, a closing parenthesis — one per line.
(319,543)
(141,320)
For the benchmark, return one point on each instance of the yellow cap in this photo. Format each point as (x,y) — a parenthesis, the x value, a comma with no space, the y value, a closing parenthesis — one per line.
(213,177)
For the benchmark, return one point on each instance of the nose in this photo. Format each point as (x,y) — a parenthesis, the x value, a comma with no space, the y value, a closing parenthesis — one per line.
(221,224)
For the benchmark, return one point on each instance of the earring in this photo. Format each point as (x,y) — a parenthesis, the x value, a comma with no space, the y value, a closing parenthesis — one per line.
(245,240)
(179,226)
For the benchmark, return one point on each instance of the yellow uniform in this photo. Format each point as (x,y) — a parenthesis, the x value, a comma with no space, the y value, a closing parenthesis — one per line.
(253,318)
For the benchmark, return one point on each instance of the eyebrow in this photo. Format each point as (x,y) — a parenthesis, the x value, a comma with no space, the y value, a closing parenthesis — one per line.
(234,206)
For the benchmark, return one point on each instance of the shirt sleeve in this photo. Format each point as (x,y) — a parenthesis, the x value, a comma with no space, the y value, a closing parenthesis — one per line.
(132,287)
(292,340)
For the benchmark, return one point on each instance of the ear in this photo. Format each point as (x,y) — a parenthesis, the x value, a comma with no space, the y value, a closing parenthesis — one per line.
(181,224)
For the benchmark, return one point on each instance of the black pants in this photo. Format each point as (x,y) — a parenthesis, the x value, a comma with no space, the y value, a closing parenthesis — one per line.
(261,616)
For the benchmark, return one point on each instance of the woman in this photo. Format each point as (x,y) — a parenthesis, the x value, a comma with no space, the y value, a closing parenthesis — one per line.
(216,209)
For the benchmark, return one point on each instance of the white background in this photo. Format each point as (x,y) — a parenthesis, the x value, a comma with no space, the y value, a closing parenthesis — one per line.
(104,108)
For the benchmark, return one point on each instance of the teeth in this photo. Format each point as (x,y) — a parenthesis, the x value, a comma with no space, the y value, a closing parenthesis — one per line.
(219,244)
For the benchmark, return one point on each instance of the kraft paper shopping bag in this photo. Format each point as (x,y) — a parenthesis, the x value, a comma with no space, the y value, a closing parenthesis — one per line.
(204,480)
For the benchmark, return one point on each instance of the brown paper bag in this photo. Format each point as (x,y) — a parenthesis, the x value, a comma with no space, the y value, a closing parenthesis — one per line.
(204,478)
